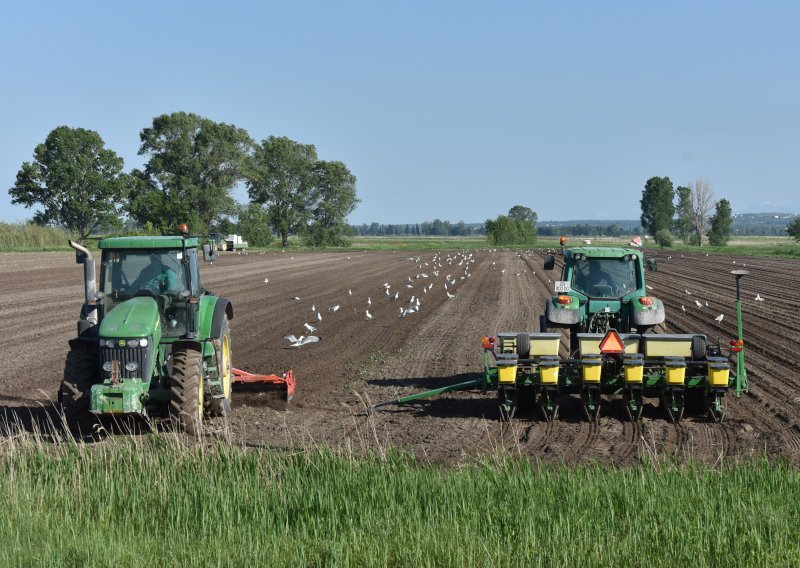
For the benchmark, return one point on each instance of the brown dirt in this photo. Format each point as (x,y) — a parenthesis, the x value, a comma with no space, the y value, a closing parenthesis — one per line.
(360,360)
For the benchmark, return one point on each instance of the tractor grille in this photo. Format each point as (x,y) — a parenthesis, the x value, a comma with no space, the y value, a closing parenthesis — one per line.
(124,355)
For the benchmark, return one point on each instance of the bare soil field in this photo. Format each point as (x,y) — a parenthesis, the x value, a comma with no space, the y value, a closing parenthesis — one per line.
(380,359)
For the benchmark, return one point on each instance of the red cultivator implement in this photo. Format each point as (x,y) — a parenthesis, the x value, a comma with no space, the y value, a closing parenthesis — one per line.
(282,386)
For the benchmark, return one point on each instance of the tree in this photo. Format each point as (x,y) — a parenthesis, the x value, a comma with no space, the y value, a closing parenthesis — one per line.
(663,238)
(702,202)
(523,214)
(282,176)
(721,222)
(334,198)
(77,181)
(508,230)
(193,164)
(254,225)
(684,226)
(657,207)
(793,229)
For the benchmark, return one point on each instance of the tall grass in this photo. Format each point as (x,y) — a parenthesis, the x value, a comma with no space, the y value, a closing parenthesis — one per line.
(29,237)
(159,500)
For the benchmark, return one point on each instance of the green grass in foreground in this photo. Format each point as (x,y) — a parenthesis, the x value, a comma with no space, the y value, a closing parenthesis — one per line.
(158,501)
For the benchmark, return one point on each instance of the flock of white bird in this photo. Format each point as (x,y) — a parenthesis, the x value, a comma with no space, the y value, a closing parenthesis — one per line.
(417,285)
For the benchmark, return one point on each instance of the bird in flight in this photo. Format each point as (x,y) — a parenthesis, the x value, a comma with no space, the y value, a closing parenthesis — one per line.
(302,340)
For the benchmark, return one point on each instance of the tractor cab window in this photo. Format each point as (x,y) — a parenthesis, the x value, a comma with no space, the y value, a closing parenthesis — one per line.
(604,277)
(160,274)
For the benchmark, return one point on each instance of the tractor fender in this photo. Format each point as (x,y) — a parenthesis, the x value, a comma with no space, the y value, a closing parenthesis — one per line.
(563,316)
(648,316)
(222,308)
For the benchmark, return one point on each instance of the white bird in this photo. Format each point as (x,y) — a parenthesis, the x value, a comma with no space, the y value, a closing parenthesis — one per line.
(758,298)
(706,303)
(396,295)
(369,301)
(699,305)
(319,316)
(292,338)
(409,286)
(349,292)
(411,301)
(370,316)
(450,296)
(683,308)
(266,280)
(309,327)
(313,307)
(305,341)
(719,317)
(295,299)
(688,293)
(334,308)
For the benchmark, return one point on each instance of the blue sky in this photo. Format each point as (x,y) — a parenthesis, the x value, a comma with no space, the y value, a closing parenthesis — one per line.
(455,110)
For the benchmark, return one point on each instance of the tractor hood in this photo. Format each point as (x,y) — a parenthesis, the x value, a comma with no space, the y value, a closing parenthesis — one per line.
(137,317)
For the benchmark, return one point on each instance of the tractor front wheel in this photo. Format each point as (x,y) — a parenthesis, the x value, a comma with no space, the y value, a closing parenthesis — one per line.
(186,404)
(74,394)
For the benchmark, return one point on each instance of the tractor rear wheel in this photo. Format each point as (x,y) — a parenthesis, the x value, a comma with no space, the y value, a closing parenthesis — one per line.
(74,394)
(186,406)
(222,406)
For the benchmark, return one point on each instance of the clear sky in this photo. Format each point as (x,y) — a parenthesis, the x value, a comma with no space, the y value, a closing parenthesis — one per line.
(456,110)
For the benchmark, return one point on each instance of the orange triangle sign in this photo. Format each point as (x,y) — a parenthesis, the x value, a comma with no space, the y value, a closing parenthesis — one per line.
(612,343)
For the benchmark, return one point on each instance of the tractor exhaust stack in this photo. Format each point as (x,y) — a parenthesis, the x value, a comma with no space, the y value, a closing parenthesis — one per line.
(84,257)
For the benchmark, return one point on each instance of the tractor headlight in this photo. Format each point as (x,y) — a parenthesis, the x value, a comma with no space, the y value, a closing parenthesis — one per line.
(131,366)
(107,366)
(133,343)
(109,343)
(143,342)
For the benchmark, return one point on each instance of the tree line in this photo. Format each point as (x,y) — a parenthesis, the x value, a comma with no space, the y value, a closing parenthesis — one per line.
(193,165)
(437,227)
(690,218)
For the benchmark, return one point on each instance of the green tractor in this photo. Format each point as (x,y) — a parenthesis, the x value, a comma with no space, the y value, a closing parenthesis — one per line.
(150,339)
(601,288)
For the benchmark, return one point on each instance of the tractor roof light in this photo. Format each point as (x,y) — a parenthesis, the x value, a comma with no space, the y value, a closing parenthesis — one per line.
(562,241)
(564,300)
(646,301)
(183,228)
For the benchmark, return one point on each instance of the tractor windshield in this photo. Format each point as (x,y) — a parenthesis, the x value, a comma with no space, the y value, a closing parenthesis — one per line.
(157,273)
(604,277)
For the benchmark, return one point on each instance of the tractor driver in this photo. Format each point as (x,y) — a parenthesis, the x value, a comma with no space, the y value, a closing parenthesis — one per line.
(594,280)
(159,279)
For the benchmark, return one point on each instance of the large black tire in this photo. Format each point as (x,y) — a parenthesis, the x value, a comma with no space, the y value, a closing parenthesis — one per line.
(222,406)
(699,350)
(523,346)
(81,371)
(186,404)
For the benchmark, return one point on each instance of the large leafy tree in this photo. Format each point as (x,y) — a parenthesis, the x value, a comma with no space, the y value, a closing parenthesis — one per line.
(657,206)
(282,176)
(684,227)
(334,198)
(76,181)
(516,228)
(721,221)
(193,164)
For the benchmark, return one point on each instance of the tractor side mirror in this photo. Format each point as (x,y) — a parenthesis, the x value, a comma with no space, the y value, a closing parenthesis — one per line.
(209,254)
(651,265)
(80,257)
(549,262)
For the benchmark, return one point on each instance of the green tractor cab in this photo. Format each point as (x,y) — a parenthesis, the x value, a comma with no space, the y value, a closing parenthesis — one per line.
(601,288)
(150,339)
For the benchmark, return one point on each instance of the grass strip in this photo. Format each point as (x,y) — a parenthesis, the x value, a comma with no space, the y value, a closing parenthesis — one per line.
(152,500)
